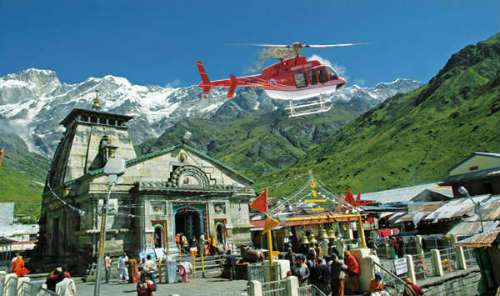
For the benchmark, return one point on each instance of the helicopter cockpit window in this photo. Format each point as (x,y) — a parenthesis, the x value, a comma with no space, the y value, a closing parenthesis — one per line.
(312,77)
(323,75)
(332,74)
(300,79)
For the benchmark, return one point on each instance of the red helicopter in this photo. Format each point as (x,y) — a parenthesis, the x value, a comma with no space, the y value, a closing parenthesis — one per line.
(295,80)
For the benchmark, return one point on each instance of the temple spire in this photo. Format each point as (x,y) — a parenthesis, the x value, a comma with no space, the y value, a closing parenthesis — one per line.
(96,103)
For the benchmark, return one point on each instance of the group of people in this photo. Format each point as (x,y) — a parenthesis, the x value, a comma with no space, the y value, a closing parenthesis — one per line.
(328,273)
(207,246)
(59,281)
(338,274)
(130,270)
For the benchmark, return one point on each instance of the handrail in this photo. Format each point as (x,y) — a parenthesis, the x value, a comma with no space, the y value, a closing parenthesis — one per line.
(392,274)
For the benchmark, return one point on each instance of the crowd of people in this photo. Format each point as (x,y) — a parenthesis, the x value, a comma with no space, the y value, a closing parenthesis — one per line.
(338,274)
(329,273)
(143,273)
(203,246)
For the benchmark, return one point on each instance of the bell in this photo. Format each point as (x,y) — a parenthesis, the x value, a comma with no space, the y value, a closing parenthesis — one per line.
(331,233)
(323,235)
(312,239)
(304,240)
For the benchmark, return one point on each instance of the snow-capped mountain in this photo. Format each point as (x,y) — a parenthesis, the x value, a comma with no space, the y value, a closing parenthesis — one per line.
(33,102)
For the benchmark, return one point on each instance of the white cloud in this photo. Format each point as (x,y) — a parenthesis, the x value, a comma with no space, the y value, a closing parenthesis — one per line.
(339,69)
(174,83)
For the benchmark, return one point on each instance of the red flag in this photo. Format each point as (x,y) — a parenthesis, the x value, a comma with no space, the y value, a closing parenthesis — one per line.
(358,198)
(1,156)
(260,203)
(349,197)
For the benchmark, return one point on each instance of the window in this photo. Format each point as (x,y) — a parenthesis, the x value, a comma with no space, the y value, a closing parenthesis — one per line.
(102,120)
(332,74)
(323,75)
(93,119)
(300,79)
(84,118)
(312,77)
(111,122)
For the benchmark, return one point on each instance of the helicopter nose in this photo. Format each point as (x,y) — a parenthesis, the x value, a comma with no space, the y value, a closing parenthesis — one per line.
(343,81)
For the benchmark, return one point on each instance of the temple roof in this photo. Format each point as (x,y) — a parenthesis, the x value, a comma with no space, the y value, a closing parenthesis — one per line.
(78,111)
(188,148)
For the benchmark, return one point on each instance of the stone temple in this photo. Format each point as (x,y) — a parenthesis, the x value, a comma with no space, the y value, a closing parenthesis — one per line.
(177,189)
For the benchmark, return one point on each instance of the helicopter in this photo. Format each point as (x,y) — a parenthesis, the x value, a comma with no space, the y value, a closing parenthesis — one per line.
(303,83)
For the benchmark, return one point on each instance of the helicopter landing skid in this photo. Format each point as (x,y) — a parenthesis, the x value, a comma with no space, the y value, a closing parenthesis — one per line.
(309,107)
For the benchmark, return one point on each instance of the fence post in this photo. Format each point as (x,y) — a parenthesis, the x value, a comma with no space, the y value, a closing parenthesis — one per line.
(419,244)
(411,268)
(292,286)
(254,288)
(462,264)
(387,248)
(437,266)
(193,258)
(203,264)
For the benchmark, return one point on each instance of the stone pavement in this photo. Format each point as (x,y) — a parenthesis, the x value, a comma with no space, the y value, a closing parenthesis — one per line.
(197,287)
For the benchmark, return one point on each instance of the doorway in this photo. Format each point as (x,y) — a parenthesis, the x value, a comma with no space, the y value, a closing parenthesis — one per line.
(188,221)
(160,234)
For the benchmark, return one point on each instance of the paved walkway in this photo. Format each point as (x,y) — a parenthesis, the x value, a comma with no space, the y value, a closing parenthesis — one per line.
(197,287)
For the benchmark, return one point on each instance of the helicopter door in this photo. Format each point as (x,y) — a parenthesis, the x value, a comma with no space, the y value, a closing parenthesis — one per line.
(312,77)
(300,79)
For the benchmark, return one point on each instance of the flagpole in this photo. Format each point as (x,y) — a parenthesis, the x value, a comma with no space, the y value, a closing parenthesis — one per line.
(270,247)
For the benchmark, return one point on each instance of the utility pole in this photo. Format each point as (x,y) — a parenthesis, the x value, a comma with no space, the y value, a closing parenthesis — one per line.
(114,168)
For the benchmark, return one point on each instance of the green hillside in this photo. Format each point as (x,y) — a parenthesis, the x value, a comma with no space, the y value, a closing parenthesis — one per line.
(261,142)
(22,175)
(412,138)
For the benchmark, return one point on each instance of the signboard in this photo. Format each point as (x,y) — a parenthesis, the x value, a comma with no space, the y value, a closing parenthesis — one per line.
(400,266)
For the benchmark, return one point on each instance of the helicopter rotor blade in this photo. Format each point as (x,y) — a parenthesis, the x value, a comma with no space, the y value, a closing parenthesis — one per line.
(260,45)
(332,45)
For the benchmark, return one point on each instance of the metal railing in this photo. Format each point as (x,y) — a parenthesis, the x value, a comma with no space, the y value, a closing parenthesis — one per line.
(274,288)
(470,257)
(423,265)
(393,284)
(310,290)
(35,289)
(260,272)
(449,259)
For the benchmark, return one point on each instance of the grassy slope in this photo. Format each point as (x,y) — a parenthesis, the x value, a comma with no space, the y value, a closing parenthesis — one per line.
(22,176)
(257,143)
(413,138)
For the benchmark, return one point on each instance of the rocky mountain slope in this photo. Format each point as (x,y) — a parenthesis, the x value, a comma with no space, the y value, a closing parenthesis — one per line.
(412,138)
(33,102)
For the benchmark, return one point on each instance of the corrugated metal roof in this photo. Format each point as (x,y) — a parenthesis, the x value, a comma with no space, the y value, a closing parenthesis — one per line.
(456,208)
(470,228)
(405,194)
(480,240)
(18,229)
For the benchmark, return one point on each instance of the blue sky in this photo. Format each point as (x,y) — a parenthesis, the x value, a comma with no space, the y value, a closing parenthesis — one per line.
(157,42)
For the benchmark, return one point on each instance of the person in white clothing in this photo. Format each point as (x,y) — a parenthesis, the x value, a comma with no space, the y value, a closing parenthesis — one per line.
(122,267)
(66,287)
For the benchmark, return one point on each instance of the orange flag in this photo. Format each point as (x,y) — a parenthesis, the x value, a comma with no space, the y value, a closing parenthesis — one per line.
(260,203)
(270,224)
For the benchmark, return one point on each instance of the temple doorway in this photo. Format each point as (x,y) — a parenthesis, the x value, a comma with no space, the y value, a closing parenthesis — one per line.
(188,221)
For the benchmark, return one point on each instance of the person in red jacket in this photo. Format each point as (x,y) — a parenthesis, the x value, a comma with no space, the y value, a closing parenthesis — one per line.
(353,270)
(412,289)
(145,287)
